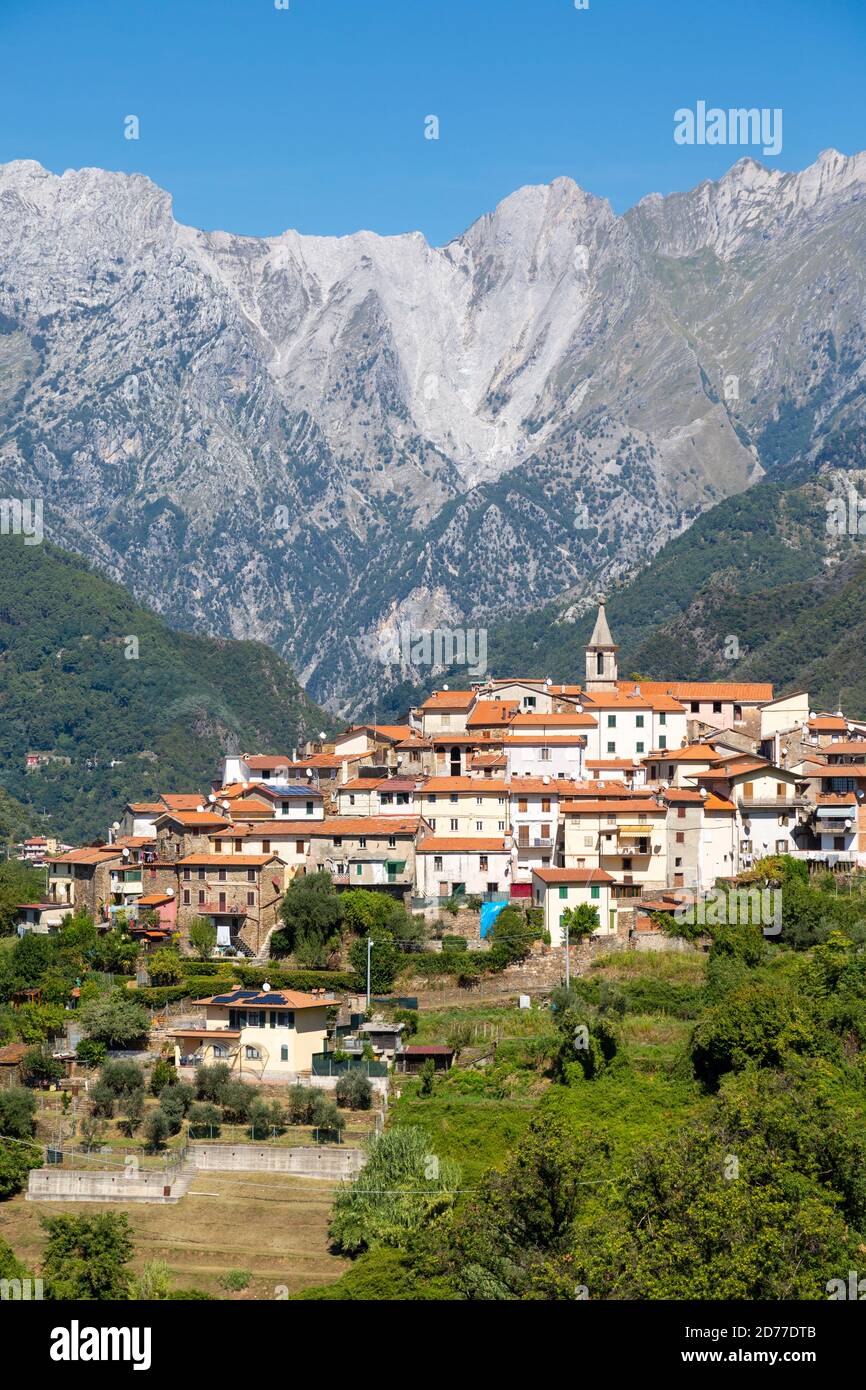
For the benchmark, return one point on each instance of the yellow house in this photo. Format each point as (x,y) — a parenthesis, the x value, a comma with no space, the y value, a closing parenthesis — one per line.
(557,889)
(262,1033)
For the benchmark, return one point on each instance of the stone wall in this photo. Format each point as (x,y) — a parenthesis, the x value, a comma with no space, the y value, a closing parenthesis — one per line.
(68,1185)
(309,1161)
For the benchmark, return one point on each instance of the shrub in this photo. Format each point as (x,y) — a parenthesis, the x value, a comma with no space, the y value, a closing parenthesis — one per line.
(210,1081)
(204,1121)
(300,1104)
(164,967)
(354,1091)
(156,1131)
(234,1280)
(172,1107)
(17,1112)
(163,1074)
(39,1066)
(454,943)
(132,1110)
(326,1117)
(91,1052)
(103,1100)
(235,1097)
(122,1077)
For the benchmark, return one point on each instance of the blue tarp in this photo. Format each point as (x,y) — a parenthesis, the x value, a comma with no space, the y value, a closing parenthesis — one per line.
(489,914)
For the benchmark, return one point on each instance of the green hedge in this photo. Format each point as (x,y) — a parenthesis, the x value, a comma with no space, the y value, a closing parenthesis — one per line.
(157,995)
(254,976)
(199,968)
(455,943)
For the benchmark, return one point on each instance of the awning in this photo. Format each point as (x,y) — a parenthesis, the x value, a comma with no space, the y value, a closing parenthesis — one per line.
(836,812)
(634,832)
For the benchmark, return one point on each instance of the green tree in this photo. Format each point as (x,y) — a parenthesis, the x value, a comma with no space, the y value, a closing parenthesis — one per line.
(87,1257)
(116,1019)
(132,1110)
(385,959)
(164,967)
(163,1073)
(156,1130)
(17,1112)
(16,1160)
(311,909)
(402,1186)
(202,936)
(39,1066)
(759,1024)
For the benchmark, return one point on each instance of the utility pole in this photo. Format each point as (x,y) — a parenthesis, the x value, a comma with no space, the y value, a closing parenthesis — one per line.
(369,949)
(567,963)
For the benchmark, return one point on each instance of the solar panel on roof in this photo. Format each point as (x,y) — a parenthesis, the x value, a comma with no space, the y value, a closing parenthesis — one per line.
(271,999)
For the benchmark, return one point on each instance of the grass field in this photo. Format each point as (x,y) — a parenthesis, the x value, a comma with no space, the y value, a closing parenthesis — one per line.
(272,1225)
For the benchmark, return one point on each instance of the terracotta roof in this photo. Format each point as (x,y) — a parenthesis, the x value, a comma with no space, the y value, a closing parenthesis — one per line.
(263,763)
(195,819)
(616,699)
(182,801)
(828,724)
(251,999)
(156,899)
(492,712)
(735,691)
(145,808)
(13,1053)
(472,844)
(449,699)
(90,855)
(377,784)
(855,748)
(573,875)
(836,799)
(693,753)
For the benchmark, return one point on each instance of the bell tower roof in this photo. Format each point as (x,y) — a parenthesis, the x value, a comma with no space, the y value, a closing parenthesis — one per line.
(601,632)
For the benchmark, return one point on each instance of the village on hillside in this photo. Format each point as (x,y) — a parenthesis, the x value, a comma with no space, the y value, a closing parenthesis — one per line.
(622,797)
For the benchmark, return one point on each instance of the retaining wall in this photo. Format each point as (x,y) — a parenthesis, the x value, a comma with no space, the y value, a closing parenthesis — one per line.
(69,1185)
(308,1162)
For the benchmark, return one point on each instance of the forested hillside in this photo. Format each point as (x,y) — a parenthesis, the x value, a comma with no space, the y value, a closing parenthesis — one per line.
(90,675)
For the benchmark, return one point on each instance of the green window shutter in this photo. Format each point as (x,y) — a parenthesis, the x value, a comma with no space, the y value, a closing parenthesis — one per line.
(595,891)
(563,892)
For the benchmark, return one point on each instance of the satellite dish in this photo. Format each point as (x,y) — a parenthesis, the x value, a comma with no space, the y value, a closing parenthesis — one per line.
(309,772)
(811,714)
(212,796)
(201,808)
(445,687)
(125,852)
(704,791)
(548,681)
(247,786)
(115,825)
(169,892)
(266,987)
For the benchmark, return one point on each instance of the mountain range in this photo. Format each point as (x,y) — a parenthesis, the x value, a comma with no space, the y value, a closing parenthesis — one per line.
(309,441)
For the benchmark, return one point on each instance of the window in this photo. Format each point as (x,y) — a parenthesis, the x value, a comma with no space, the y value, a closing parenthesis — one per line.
(201,874)
(362,842)
(200,896)
(663,719)
(638,747)
(284,807)
(695,706)
(479,825)
(611,721)
(529,702)
(432,796)
(587,841)
(501,824)
(251,875)
(432,823)
(186,875)
(351,798)
(611,747)
(437,863)
(563,891)
(482,863)
(678,863)
(266,846)
(626,864)
(717,706)
(338,840)
(358,870)
(781,845)
(299,847)
(453,824)
(252,1054)
(251,899)
(239,844)
(522,803)
(219,1050)
(638,721)
(663,742)
(681,838)
(738,714)
(595,891)
(284,1054)
(681,813)
(186,897)
(454,798)
(545,756)
(309,808)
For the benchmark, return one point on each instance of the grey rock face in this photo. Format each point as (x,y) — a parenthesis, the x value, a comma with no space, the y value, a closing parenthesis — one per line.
(311,440)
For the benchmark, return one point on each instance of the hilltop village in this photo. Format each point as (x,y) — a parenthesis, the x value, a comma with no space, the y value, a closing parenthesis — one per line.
(612,792)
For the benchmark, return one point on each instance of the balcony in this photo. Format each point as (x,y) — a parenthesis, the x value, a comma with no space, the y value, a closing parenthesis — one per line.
(785,805)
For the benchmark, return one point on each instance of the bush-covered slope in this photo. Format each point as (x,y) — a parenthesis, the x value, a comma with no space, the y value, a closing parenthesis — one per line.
(71,682)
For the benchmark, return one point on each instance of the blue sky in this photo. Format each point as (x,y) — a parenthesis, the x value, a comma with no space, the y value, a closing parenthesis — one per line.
(258,119)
